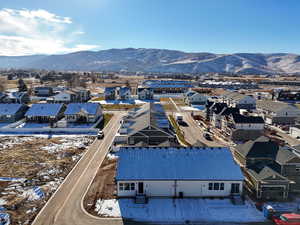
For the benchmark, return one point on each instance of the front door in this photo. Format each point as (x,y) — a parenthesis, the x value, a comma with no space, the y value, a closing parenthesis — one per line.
(140,188)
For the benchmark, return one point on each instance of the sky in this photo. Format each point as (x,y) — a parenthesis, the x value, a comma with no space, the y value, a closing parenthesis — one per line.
(219,26)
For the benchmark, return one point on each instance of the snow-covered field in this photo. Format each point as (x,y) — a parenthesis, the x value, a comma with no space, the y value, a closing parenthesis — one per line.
(39,167)
(3,124)
(180,210)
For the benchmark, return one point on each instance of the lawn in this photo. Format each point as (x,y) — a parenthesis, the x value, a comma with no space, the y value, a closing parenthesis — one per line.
(106,118)
(178,131)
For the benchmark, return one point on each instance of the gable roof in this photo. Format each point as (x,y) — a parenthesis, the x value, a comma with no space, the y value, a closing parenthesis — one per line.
(284,155)
(217,107)
(261,147)
(10,109)
(180,164)
(238,118)
(229,110)
(149,115)
(108,90)
(123,90)
(266,173)
(74,108)
(44,110)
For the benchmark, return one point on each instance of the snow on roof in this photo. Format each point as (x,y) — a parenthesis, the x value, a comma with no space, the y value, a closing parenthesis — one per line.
(9,109)
(44,110)
(90,108)
(181,164)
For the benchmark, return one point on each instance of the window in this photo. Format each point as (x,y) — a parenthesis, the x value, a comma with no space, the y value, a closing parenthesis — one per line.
(216,186)
(126,186)
(222,186)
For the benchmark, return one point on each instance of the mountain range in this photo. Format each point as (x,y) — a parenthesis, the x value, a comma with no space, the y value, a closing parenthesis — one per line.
(158,60)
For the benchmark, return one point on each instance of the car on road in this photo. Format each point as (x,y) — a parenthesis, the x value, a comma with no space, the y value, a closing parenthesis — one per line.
(100,135)
(207,136)
(287,219)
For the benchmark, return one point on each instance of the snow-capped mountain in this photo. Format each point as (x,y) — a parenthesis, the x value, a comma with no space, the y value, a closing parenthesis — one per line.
(158,60)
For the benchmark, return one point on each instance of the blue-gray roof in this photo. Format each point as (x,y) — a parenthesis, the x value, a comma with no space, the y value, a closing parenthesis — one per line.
(44,110)
(167,84)
(9,109)
(123,90)
(90,108)
(108,90)
(176,164)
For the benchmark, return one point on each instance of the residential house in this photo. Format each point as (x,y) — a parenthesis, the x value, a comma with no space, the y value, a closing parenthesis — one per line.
(272,171)
(12,112)
(241,101)
(177,172)
(110,93)
(83,112)
(213,110)
(195,98)
(242,127)
(146,126)
(64,97)
(145,93)
(83,95)
(2,97)
(168,86)
(124,93)
(219,112)
(278,113)
(43,91)
(17,97)
(45,112)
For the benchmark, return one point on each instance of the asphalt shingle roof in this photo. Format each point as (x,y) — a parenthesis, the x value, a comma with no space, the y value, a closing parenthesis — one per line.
(238,118)
(74,108)
(9,109)
(180,164)
(44,110)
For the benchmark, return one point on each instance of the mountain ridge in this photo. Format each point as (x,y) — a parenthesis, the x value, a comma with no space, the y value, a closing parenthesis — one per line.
(159,60)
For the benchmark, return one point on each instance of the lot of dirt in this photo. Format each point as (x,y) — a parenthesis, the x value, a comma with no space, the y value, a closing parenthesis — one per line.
(103,186)
(34,163)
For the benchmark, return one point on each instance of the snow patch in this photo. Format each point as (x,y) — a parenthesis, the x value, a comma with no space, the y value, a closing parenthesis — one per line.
(180,210)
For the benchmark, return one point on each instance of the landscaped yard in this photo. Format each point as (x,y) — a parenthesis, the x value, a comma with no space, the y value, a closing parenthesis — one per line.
(178,131)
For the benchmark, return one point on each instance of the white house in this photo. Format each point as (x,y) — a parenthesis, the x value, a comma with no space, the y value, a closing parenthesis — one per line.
(177,172)
(195,98)
(277,112)
(83,112)
(241,101)
(243,128)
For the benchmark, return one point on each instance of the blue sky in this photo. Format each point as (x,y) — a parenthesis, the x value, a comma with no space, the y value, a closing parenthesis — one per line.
(219,26)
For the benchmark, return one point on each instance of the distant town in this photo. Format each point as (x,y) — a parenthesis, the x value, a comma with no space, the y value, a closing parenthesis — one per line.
(120,147)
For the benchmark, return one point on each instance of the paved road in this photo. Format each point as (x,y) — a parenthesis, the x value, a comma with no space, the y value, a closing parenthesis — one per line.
(193,133)
(65,206)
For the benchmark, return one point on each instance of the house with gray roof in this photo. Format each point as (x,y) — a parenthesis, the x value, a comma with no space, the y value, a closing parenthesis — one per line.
(12,112)
(273,171)
(110,93)
(238,100)
(83,112)
(146,126)
(240,127)
(45,112)
(195,98)
(278,112)
(177,172)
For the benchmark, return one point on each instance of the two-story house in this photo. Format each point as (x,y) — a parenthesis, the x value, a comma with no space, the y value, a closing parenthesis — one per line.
(272,171)
(241,101)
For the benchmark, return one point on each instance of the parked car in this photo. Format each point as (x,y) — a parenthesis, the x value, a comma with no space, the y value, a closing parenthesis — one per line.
(287,219)
(207,136)
(100,135)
